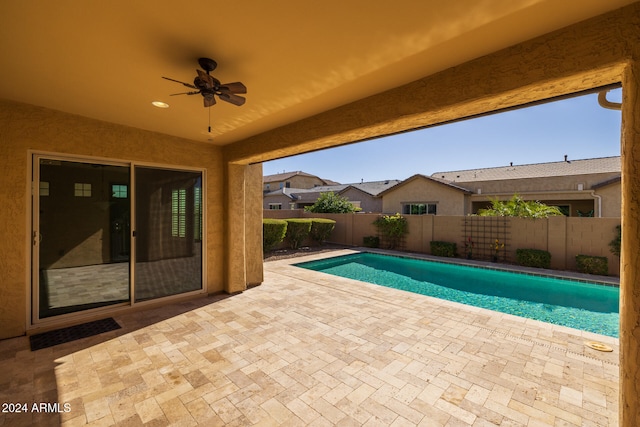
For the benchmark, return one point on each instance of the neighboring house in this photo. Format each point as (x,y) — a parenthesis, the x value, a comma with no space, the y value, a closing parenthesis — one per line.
(589,187)
(364,195)
(422,195)
(297,179)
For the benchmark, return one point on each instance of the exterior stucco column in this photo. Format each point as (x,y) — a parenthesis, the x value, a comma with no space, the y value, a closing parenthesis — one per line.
(630,256)
(243,220)
(253,223)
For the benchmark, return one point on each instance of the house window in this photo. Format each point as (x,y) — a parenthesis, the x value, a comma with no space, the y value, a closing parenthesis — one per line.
(81,189)
(419,209)
(275,206)
(179,213)
(268,187)
(119,191)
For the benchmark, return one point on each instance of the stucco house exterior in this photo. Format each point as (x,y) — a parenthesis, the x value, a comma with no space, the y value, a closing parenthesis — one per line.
(296,179)
(586,187)
(425,195)
(364,195)
(78,92)
(583,187)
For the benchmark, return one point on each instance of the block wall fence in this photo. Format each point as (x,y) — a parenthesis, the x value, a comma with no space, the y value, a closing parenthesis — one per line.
(563,237)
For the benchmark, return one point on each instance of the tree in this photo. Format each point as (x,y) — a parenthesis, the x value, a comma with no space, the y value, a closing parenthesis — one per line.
(518,207)
(331,203)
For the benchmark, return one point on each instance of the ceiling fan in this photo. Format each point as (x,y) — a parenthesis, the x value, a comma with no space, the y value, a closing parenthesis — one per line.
(210,87)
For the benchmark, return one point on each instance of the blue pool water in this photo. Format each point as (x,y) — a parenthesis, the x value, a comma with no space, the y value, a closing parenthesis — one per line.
(584,306)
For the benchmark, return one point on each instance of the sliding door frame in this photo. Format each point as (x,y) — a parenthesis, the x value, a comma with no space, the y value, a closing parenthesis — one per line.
(33,291)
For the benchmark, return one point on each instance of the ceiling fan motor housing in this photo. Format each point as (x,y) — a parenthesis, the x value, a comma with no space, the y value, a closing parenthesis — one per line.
(207,64)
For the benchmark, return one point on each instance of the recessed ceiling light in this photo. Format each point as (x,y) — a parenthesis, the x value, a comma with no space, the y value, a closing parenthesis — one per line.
(160,104)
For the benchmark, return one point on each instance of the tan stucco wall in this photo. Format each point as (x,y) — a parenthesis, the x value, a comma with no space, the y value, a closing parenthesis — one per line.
(367,202)
(552,184)
(557,190)
(611,200)
(23,128)
(419,190)
(282,199)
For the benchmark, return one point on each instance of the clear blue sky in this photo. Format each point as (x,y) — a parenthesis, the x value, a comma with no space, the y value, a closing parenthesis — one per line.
(577,127)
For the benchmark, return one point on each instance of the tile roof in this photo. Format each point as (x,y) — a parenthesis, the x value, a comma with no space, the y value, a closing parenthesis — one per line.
(537,170)
(286,175)
(372,188)
(429,178)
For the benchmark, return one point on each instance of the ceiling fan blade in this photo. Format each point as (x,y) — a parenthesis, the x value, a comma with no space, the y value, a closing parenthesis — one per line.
(231,98)
(182,83)
(235,87)
(209,101)
(193,92)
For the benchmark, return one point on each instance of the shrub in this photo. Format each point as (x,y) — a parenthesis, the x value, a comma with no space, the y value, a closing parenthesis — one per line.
(321,229)
(533,258)
(273,232)
(614,245)
(393,228)
(592,264)
(446,249)
(519,207)
(371,241)
(297,231)
(331,203)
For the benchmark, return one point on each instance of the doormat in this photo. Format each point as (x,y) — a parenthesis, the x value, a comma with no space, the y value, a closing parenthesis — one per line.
(72,333)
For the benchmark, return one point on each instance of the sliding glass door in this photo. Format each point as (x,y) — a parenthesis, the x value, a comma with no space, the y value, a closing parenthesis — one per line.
(168,232)
(88,220)
(81,236)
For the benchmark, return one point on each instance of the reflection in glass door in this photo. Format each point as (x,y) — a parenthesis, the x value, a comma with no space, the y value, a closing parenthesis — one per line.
(81,236)
(168,237)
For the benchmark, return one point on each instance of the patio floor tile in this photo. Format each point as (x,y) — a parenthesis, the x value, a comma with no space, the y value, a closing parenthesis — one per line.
(305,348)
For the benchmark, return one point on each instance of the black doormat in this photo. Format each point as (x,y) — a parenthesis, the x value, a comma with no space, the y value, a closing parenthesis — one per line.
(72,333)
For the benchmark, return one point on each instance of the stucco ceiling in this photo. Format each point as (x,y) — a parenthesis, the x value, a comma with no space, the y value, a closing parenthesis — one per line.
(105,59)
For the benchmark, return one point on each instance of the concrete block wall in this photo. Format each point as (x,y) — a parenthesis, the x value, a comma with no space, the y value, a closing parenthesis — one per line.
(563,237)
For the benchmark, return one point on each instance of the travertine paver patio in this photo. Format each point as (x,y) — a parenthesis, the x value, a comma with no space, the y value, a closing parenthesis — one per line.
(306,348)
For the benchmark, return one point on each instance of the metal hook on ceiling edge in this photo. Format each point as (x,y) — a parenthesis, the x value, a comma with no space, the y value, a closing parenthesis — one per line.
(605,103)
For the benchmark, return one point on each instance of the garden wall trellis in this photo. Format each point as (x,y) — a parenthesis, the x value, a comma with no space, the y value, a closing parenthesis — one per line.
(486,237)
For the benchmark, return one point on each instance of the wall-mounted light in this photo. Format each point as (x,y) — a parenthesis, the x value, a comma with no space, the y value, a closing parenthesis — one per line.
(160,104)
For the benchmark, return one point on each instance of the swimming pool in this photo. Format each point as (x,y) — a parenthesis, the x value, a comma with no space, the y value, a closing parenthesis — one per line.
(585,306)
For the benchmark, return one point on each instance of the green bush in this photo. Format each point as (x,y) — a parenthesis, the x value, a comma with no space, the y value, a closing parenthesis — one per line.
(518,207)
(371,241)
(592,264)
(446,249)
(331,203)
(393,228)
(298,230)
(273,232)
(533,258)
(321,229)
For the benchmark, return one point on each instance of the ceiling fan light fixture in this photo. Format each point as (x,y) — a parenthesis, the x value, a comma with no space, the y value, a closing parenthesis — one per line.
(160,104)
